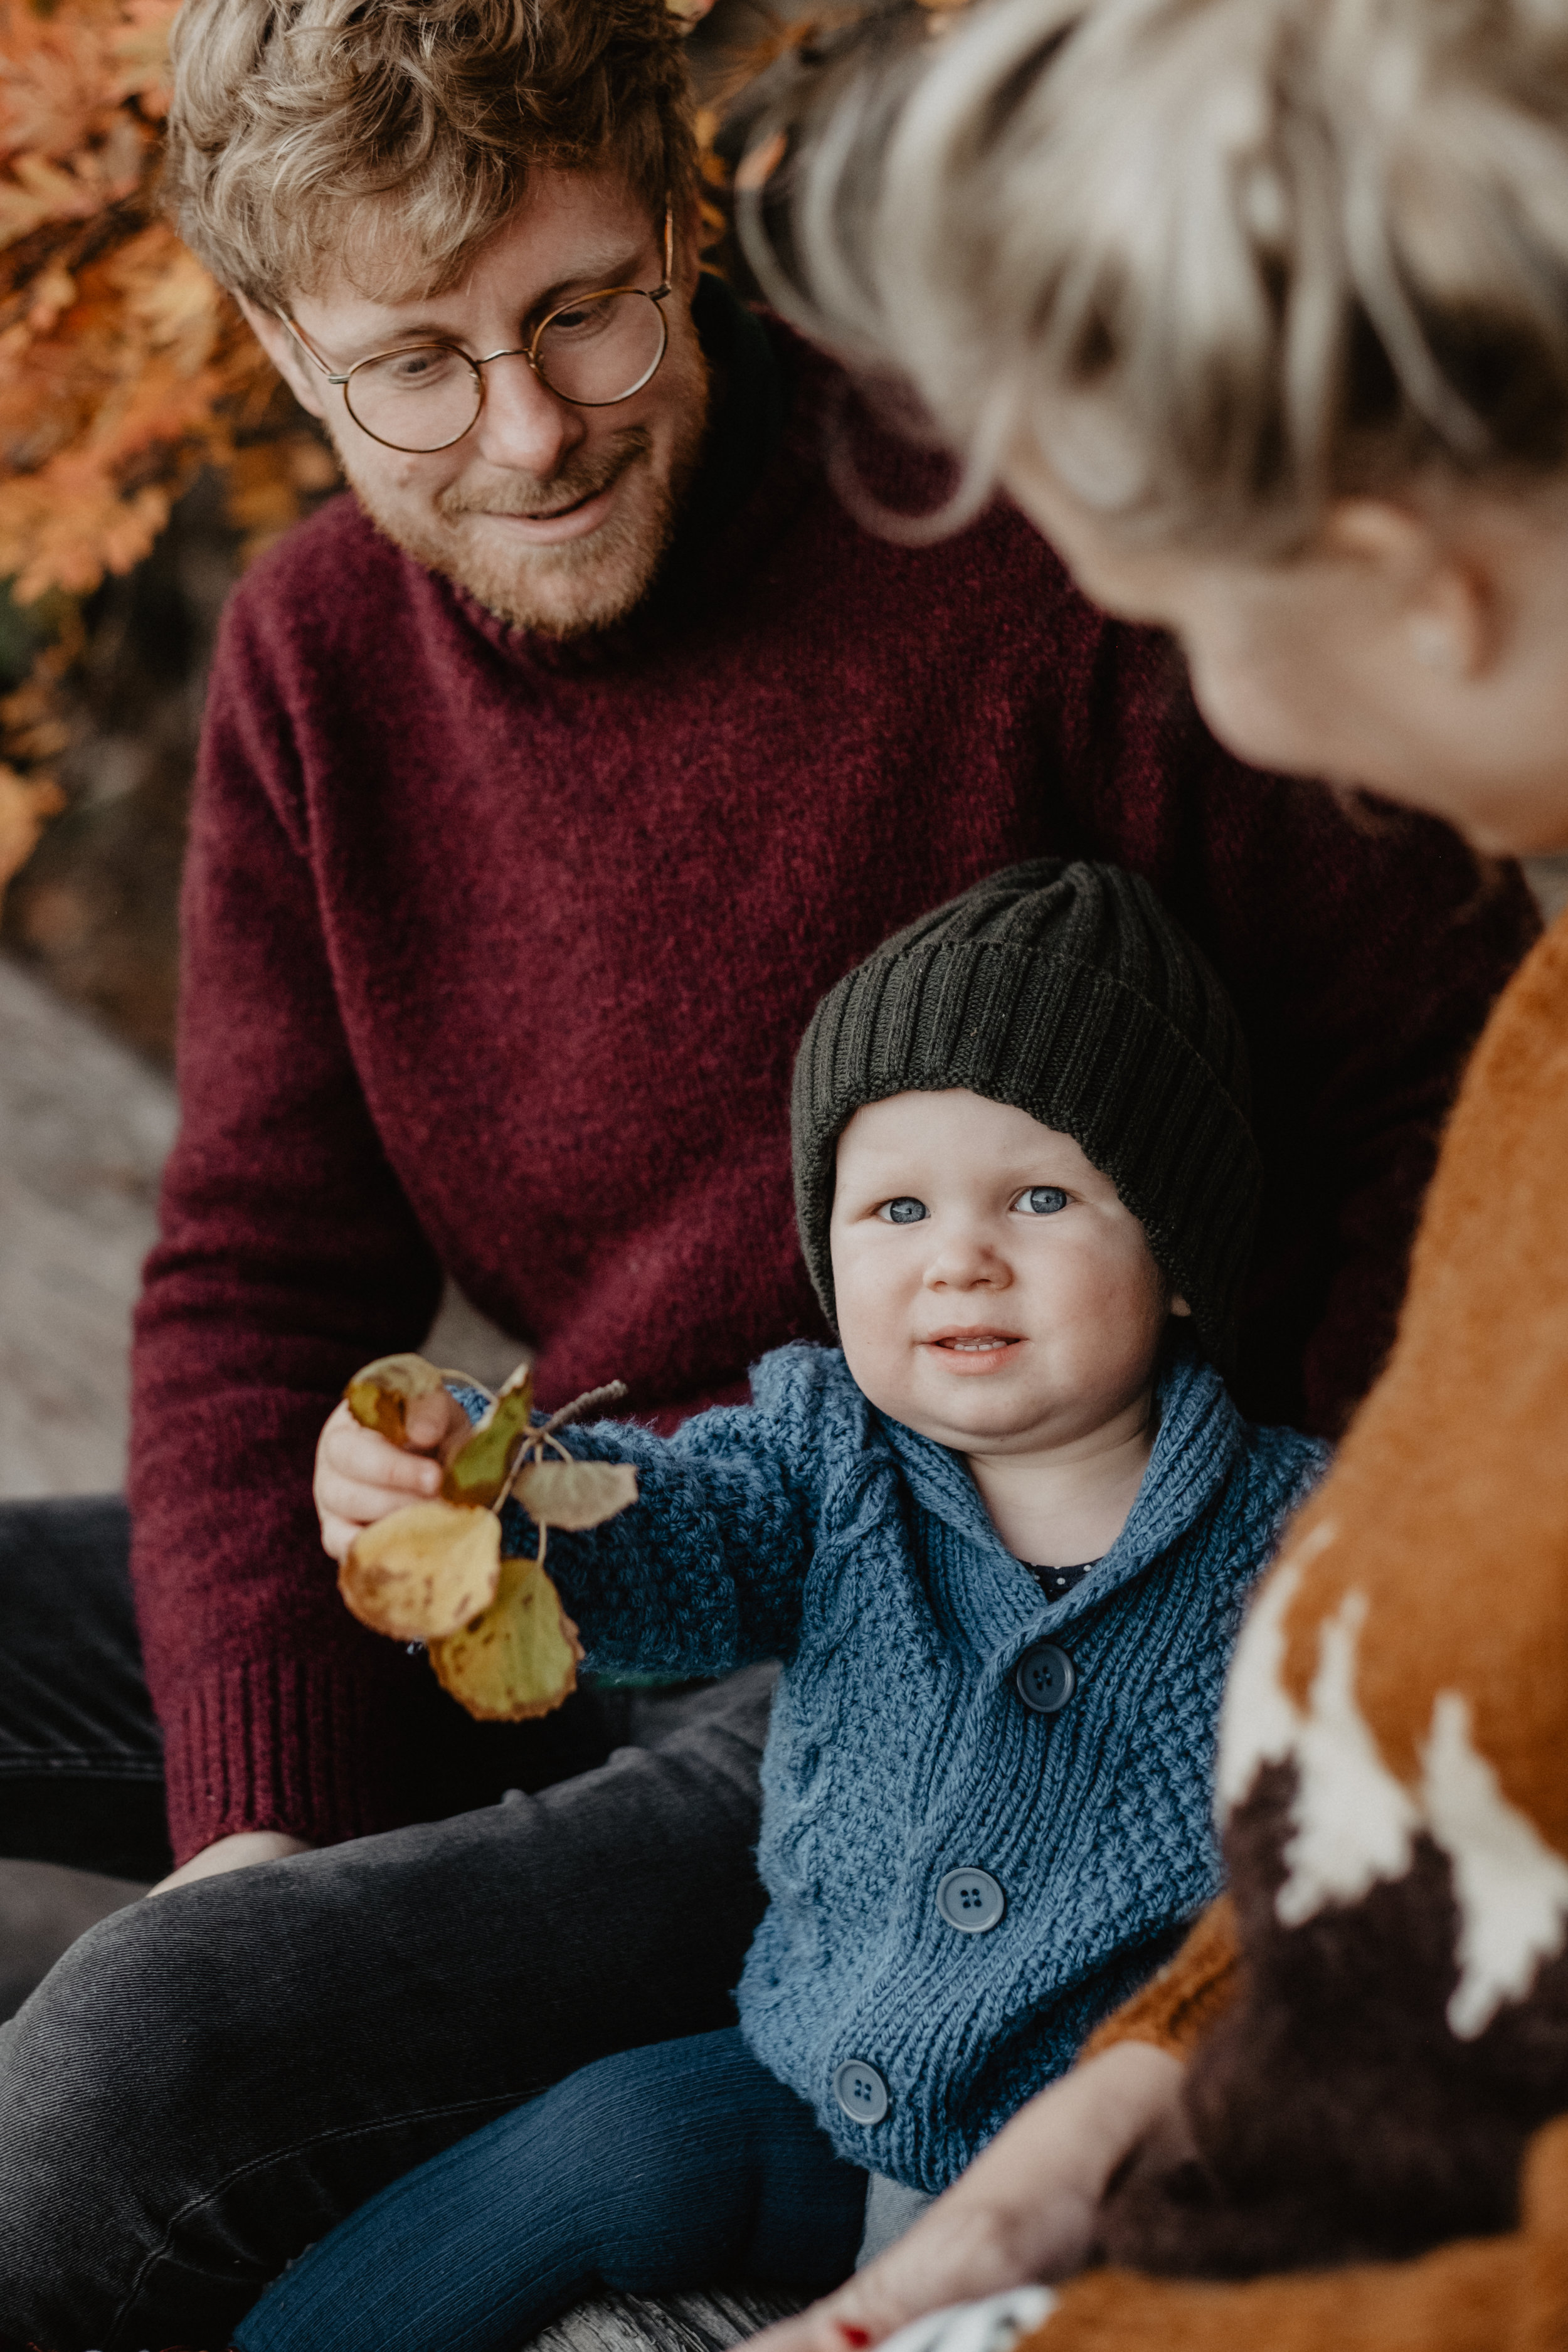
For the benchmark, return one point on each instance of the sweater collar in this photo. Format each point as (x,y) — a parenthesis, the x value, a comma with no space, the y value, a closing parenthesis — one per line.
(1199,1436)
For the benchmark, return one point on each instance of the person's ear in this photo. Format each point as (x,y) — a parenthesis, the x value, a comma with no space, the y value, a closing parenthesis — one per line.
(1443,603)
(1179,1305)
(284,354)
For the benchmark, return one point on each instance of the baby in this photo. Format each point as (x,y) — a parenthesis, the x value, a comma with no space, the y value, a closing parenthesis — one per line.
(1000,1539)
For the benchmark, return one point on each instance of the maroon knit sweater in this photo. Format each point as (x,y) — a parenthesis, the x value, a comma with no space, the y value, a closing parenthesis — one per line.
(496,958)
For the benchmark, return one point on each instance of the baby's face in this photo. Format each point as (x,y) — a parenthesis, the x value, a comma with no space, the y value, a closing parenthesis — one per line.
(994,1292)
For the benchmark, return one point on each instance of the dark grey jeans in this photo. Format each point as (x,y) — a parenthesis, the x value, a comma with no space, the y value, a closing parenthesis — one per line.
(204,2085)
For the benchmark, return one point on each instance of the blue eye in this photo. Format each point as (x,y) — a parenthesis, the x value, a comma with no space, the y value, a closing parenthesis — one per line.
(903,1212)
(1041,1201)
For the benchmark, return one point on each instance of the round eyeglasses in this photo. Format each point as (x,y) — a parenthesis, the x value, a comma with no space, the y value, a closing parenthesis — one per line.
(595,351)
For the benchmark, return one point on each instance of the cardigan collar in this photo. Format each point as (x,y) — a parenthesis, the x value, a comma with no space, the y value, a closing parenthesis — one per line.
(1199,1436)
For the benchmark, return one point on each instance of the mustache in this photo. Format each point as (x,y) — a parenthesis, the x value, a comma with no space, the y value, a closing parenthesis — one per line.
(580,478)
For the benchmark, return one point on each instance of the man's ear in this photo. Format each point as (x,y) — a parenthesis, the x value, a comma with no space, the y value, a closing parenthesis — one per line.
(284,354)
(1179,1305)
(1443,602)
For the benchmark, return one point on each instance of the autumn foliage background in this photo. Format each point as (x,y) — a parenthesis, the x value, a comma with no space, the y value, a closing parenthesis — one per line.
(124,370)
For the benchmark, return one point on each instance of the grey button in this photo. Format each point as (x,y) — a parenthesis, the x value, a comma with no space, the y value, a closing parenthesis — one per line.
(1044,1678)
(971,1900)
(861,2092)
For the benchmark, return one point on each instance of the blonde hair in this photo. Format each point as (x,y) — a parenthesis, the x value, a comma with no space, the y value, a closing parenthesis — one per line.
(1219,261)
(397,135)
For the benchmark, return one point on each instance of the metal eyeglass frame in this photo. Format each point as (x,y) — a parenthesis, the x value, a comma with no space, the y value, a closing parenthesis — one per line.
(528,351)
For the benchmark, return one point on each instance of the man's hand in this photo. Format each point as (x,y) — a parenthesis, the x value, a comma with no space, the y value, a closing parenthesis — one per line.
(1023,2212)
(361,1476)
(232,1854)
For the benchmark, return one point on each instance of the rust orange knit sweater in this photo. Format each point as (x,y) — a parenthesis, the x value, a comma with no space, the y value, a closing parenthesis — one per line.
(1378,2093)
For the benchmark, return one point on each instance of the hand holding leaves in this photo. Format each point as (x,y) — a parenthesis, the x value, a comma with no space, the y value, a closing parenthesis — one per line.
(498,1639)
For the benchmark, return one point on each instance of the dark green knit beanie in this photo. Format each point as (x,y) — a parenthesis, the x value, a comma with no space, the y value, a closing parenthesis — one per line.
(1066,989)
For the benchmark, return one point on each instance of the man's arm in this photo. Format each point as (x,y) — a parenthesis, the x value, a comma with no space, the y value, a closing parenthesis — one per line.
(288,1255)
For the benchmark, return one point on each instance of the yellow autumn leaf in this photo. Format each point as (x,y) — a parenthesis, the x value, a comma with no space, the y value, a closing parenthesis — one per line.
(380,1393)
(477,1473)
(518,1659)
(422,1571)
(576,1494)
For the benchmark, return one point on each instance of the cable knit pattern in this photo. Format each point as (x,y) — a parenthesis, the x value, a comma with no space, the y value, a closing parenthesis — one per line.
(809,1527)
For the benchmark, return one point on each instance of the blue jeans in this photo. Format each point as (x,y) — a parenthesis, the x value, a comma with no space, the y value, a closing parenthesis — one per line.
(677,2166)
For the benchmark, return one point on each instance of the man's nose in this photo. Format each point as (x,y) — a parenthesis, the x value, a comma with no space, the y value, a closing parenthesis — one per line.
(523,425)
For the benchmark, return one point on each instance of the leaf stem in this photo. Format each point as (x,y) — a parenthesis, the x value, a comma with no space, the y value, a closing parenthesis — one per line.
(611,1393)
(534,1441)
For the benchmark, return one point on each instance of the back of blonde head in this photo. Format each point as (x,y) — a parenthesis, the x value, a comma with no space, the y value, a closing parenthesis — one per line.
(1220,260)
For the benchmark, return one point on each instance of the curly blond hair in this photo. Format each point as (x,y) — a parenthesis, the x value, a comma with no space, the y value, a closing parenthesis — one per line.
(1220,261)
(389,138)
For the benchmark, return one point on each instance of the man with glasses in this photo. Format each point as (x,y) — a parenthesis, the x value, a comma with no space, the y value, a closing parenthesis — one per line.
(547,780)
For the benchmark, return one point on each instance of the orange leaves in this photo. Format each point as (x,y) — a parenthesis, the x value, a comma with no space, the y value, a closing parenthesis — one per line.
(124,369)
(60,79)
(26,801)
(112,383)
(141,48)
(498,1639)
(71,141)
(122,364)
(34,733)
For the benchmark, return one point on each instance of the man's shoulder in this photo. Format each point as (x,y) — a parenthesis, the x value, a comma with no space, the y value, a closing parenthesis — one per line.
(877,466)
(335,575)
(311,555)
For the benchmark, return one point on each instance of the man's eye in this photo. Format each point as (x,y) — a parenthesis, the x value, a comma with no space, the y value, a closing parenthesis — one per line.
(902,1211)
(1041,1201)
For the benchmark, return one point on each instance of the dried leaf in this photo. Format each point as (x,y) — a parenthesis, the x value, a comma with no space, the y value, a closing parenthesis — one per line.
(422,1571)
(576,1494)
(520,1657)
(478,1473)
(380,1394)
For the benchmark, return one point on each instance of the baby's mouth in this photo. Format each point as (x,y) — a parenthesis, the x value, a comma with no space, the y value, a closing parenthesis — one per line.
(973,1343)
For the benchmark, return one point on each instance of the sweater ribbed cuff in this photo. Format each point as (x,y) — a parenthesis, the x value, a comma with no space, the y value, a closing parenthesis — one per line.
(278,1744)
(1177,2006)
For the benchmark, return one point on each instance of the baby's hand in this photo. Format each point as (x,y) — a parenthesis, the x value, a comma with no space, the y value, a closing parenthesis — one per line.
(361,1476)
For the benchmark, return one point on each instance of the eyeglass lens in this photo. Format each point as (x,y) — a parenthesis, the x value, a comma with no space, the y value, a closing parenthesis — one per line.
(428,394)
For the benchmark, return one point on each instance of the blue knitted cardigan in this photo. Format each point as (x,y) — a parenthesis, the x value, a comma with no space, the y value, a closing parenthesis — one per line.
(808,1527)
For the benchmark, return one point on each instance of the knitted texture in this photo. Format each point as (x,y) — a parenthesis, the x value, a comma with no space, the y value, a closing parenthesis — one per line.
(810,1528)
(1068,992)
(495,958)
(1184,1999)
(1394,2068)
